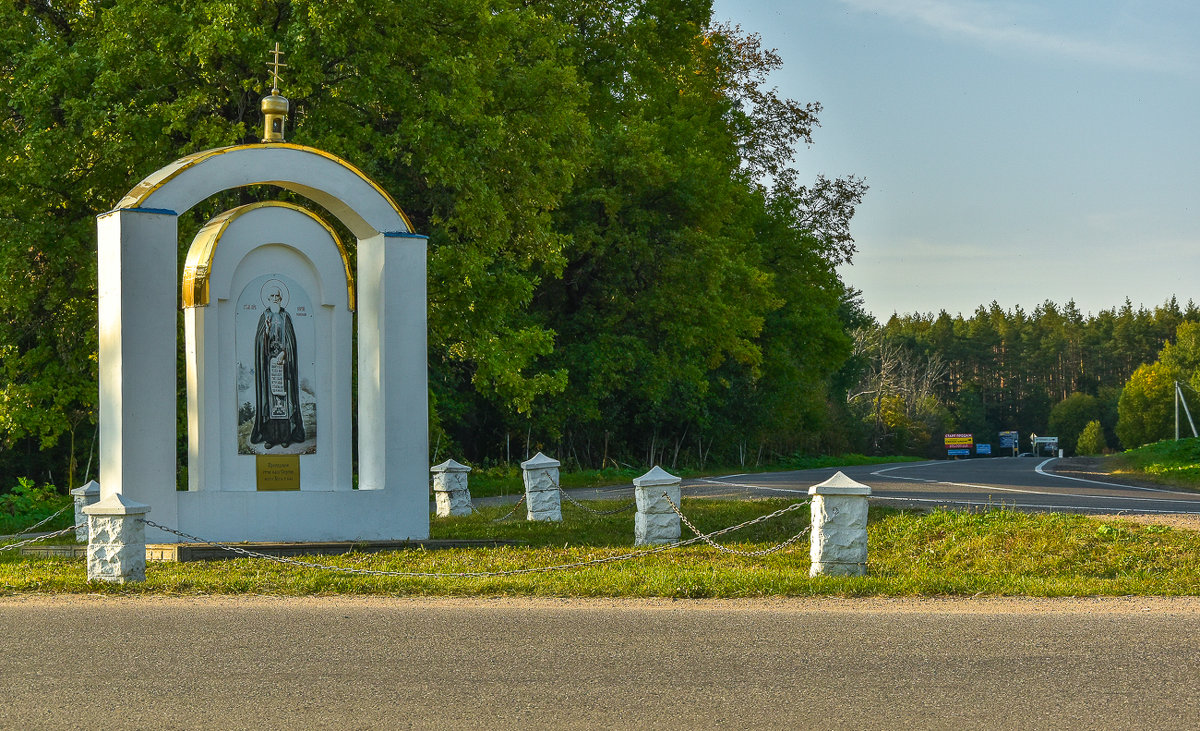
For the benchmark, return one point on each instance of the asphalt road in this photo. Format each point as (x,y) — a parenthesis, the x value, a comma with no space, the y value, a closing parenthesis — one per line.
(264,663)
(1018,482)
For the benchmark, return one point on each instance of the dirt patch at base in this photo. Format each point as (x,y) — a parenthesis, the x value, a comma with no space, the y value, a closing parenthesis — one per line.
(1173,520)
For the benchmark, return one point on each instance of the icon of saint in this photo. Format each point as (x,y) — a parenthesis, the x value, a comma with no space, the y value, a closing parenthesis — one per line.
(277,419)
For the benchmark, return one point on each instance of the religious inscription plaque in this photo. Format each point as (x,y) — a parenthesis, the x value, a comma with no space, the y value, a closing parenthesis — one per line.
(278,471)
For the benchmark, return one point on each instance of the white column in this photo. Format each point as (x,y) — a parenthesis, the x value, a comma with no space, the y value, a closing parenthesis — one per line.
(202,364)
(84,495)
(393,381)
(655,520)
(116,540)
(838,543)
(450,488)
(139,298)
(542,499)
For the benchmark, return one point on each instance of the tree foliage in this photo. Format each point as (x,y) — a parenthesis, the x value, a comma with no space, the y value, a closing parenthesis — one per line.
(1070,416)
(1147,405)
(1091,439)
(607,188)
(1049,371)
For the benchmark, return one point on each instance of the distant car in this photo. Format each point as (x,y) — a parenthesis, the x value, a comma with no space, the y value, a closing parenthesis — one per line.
(1025,454)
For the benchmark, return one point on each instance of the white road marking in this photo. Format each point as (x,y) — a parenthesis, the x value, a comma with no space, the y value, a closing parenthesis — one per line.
(1003,504)
(988,488)
(1042,472)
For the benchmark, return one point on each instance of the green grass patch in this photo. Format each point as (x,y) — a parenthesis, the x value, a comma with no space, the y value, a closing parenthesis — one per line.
(506,479)
(1169,462)
(940,553)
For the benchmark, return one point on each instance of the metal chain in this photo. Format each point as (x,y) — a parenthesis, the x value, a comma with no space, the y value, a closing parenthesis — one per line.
(35,539)
(507,515)
(45,520)
(578,504)
(475,574)
(734,551)
(426,574)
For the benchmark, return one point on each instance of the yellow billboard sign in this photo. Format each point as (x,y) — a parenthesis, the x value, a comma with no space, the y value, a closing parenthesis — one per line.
(958,441)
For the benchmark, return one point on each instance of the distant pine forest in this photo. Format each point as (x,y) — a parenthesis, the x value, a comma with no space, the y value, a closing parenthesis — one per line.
(1052,371)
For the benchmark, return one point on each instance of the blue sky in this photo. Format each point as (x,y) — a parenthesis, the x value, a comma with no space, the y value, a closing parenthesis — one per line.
(1016,151)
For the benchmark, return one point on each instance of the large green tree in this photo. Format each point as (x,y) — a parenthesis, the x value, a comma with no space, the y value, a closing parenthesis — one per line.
(606,184)
(467,111)
(1146,411)
(699,305)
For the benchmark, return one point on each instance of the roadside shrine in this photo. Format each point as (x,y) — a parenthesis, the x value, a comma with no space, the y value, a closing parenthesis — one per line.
(270,304)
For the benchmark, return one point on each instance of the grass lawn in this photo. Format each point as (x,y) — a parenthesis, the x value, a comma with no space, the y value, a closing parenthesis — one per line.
(940,553)
(1174,463)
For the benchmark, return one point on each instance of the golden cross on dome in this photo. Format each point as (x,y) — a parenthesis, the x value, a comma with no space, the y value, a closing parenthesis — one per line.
(274,67)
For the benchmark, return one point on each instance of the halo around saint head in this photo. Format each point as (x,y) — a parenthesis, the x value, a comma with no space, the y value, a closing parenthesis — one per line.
(271,285)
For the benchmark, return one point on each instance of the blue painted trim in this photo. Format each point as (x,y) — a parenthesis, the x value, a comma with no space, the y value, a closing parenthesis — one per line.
(163,211)
(404,235)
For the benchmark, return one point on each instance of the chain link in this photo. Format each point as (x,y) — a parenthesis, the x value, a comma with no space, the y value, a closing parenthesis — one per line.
(45,520)
(477,574)
(507,515)
(578,504)
(419,574)
(734,551)
(35,539)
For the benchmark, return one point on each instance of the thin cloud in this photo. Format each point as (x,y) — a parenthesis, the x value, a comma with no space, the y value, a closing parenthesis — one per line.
(999,26)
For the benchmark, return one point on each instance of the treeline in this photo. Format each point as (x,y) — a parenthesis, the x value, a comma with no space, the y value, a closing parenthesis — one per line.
(623,267)
(1051,371)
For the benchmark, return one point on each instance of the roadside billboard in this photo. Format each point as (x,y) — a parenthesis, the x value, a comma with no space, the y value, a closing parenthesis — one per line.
(959,445)
(960,441)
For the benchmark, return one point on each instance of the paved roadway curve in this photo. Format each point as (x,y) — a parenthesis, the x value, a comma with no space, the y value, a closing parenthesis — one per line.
(1019,482)
(265,663)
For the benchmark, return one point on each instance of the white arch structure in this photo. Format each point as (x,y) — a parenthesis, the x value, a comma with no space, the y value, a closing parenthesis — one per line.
(139,284)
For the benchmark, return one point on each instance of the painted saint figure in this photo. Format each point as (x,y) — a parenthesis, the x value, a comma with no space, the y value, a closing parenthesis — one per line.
(277,417)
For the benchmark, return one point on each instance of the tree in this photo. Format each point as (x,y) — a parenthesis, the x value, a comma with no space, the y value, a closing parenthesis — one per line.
(1144,413)
(466,111)
(896,396)
(1069,417)
(1091,439)
(694,302)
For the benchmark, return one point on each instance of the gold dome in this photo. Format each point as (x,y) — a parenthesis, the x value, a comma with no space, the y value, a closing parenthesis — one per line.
(274,104)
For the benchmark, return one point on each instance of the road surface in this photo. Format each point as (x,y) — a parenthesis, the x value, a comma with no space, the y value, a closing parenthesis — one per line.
(264,663)
(1018,482)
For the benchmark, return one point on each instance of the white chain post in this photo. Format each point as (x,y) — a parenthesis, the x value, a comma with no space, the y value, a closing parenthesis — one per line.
(656,520)
(116,540)
(838,545)
(84,495)
(450,489)
(542,499)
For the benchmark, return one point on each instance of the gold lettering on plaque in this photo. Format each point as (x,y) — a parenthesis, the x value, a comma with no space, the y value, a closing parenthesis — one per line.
(278,471)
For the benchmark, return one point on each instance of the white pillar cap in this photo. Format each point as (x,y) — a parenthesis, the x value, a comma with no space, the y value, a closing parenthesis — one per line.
(656,476)
(450,466)
(92,488)
(117,504)
(539,461)
(840,484)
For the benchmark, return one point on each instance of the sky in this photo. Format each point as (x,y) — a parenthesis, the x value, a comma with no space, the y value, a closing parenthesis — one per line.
(1015,151)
